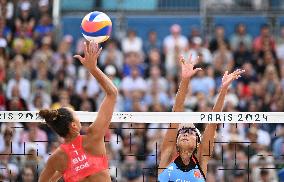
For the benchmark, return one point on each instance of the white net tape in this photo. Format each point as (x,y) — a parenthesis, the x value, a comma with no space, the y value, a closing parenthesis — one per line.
(159,117)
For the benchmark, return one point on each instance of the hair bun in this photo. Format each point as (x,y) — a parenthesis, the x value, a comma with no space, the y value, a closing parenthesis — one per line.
(48,115)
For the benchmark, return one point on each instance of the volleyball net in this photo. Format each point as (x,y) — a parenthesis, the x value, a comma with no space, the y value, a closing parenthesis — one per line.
(237,150)
(159,117)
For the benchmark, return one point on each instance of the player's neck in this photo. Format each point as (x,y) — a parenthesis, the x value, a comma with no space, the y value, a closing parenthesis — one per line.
(185,156)
(71,137)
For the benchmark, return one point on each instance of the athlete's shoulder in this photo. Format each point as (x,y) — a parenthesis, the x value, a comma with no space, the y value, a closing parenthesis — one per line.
(56,158)
(165,174)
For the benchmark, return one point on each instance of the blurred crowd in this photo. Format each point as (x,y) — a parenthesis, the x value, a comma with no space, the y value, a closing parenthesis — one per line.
(36,72)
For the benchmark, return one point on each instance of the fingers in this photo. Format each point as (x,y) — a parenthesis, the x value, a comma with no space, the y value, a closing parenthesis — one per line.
(88,45)
(182,60)
(94,48)
(78,57)
(85,48)
(193,62)
(190,61)
(237,73)
(99,52)
(226,73)
(197,69)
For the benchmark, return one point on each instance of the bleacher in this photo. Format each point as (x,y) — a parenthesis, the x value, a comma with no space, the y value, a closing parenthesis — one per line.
(184,12)
(253,23)
(113,5)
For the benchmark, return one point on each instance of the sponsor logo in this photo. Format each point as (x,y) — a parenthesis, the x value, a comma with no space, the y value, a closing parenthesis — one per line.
(197,174)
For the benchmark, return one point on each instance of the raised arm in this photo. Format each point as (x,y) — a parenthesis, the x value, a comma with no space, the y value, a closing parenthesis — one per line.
(51,171)
(205,149)
(98,128)
(169,142)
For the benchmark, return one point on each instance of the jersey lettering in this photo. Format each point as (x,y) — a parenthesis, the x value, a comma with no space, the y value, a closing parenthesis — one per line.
(79,159)
(180,180)
(82,166)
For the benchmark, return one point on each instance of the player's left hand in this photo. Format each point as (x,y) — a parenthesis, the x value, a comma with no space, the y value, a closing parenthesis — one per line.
(229,78)
(187,70)
(91,52)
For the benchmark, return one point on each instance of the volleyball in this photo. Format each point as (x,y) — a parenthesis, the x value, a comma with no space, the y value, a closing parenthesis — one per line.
(96,26)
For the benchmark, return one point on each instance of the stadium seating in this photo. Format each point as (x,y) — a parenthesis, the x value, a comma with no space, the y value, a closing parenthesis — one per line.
(67,5)
(281,175)
(129,4)
(181,4)
(253,23)
(275,4)
(161,24)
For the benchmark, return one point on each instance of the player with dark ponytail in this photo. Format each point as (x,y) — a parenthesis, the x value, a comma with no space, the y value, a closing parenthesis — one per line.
(81,157)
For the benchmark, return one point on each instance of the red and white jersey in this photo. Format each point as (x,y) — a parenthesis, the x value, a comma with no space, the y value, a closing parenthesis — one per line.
(80,163)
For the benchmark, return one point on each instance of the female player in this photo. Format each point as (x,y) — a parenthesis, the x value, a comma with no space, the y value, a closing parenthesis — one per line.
(81,157)
(184,156)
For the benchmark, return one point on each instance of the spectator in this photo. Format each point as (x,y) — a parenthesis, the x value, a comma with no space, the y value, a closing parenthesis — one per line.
(154,60)
(264,38)
(198,50)
(9,170)
(278,145)
(62,59)
(133,60)
(241,56)
(132,170)
(223,59)
(32,160)
(2,70)
(260,161)
(8,142)
(42,76)
(219,40)
(88,82)
(132,43)
(22,83)
(5,31)
(63,100)
(111,55)
(194,32)
(280,46)
(241,37)
(152,42)
(25,17)
(157,79)
(32,135)
(174,45)
(157,95)
(45,52)
(202,83)
(270,80)
(239,176)
(282,77)
(133,82)
(27,174)
(23,43)
(45,27)
(43,7)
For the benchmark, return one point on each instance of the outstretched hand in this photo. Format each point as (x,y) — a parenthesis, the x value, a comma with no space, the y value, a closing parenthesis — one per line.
(229,78)
(187,67)
(91,52)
